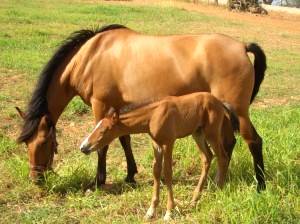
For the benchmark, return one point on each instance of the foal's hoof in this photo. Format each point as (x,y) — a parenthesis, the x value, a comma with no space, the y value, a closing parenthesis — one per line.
(193,203)
(150,214)
(168,216)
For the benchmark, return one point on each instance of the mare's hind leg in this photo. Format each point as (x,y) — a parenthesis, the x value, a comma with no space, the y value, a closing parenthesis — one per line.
(206,158)
(254,142)
(131,166)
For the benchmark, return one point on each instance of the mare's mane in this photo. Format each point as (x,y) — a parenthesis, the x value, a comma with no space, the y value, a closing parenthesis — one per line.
(38,105)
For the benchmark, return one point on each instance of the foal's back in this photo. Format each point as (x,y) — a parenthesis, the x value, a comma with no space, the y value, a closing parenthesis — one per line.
(178,117)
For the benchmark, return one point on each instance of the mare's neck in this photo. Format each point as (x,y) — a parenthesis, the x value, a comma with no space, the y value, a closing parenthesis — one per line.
(59,95)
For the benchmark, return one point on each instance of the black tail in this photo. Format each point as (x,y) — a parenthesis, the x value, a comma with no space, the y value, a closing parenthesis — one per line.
(234,120)
(260,66)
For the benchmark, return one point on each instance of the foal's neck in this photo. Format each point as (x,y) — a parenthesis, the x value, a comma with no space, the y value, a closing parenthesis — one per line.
(137,120)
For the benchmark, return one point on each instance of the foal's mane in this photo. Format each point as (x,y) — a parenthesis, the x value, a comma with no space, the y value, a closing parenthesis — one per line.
(38,106)
(139,105)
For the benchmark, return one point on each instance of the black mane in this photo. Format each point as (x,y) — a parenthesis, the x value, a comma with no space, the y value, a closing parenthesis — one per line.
(38,105)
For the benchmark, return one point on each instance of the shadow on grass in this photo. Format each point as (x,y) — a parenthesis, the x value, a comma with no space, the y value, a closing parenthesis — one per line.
(82,182)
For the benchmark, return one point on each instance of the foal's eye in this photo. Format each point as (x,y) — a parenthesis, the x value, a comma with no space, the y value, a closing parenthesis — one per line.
(43,143)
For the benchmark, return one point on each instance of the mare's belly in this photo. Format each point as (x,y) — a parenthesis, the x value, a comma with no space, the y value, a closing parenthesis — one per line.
(155,87)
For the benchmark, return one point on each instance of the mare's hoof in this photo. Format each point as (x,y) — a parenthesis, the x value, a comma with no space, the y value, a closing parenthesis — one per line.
(130,180)
(261,187)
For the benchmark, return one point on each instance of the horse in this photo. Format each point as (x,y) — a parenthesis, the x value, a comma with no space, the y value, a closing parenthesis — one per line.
(113,66)
(199,114)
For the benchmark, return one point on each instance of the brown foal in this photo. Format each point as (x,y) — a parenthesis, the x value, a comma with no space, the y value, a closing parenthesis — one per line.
(199,114)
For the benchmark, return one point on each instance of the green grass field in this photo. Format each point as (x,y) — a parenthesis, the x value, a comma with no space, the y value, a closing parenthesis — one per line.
(31,30)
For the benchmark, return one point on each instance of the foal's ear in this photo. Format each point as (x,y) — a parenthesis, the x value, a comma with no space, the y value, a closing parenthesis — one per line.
(113,115)
(21,113)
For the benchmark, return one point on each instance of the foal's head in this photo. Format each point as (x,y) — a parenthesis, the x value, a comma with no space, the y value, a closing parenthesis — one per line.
(102,134)
(41,145)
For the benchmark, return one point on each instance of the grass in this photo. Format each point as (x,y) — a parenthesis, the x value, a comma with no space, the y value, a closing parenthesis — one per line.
(30,32)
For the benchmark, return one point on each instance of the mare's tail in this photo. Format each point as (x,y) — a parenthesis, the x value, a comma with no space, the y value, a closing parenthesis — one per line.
(260,66)
(231,115)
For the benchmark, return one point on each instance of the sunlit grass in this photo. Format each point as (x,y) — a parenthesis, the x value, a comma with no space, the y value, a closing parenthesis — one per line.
(31,30)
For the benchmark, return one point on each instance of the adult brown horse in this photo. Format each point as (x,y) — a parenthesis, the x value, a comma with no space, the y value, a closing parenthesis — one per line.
(115,66)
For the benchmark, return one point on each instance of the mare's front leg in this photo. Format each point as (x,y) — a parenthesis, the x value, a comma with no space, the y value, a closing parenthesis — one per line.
(131,165)
(206,158)
(99,110)
(157,166)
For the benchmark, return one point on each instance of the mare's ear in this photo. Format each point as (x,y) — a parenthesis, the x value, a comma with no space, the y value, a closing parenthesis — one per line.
(44,124)
(20,112)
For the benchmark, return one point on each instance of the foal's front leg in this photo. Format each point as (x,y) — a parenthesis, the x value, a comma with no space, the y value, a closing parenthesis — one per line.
(157,165)
(167,152)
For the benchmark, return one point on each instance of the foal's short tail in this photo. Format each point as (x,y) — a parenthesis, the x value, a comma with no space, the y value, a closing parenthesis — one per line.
(260,66)
(230,113)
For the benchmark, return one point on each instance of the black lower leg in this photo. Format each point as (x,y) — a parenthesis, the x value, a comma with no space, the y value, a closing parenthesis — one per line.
(101,169)
(131,165)
(256,151)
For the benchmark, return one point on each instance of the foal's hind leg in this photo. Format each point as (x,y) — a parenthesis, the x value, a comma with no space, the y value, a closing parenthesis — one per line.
(206,158)
(131,166)
(213,137)
(254,142)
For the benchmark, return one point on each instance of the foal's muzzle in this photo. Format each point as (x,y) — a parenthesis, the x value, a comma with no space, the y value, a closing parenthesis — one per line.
(85,149)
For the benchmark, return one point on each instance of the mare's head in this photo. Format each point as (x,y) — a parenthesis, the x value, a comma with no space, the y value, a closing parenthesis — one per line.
(41,143)
(102,134)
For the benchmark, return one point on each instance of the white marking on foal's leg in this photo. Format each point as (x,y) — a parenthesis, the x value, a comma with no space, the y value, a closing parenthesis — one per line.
(86,140)
(168,216)
(150,213)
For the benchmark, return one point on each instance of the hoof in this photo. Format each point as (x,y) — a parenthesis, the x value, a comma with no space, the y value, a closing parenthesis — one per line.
(168,216)
(261,187)
(193,203)
(130,180)
(150,214)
